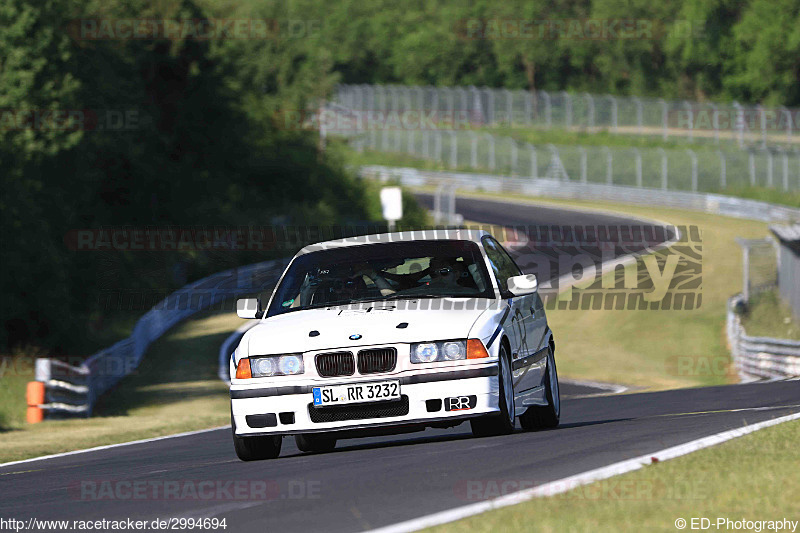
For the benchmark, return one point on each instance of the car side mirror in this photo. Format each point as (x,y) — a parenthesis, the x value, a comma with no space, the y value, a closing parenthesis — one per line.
(249,308)
(522,285)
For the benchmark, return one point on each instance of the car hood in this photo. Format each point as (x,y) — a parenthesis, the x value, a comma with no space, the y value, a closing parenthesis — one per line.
(378,324)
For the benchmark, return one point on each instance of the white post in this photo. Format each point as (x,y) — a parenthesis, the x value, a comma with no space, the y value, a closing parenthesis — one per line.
(663,118)
(664,170)
(453,149)
(490,140)
(589,110)
(763,119)
(769,168)
(639,115)
(489,105)
(548,109)
(715,121)
(584,172)
(785,161)
(437,204)
(509,106)
(785,112)
(567,109)
(739,122)
(514,157)
(751,163)
(473,149)
(614,110)
(534,165)
(638,157)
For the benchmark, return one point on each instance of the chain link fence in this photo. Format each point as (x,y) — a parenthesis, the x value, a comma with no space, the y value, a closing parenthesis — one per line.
(668,119)
(700,170)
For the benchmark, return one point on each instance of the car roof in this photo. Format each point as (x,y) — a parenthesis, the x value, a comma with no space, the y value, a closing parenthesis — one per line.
(473,235)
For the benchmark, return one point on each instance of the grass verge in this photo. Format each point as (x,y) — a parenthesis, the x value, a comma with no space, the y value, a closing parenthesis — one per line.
(745,478)
(769,316)
(175,389)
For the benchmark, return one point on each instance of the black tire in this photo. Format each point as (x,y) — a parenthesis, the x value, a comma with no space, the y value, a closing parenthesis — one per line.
(315,443)
(548,416)
(503,422)
(255,448)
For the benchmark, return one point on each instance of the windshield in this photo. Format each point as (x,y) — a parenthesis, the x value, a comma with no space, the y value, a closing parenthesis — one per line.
(385,271)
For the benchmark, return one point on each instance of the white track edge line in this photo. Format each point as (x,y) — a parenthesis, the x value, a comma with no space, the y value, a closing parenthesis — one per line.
(568,483)
(109,446)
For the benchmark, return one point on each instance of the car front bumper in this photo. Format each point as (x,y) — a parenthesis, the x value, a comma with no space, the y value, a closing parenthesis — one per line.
(286,410)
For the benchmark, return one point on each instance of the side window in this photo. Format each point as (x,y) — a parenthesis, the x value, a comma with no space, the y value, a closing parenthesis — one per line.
(503,266)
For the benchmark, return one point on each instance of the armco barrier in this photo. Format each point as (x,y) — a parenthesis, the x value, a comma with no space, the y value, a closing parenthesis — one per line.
(709,203)
(760,357)
(73,390)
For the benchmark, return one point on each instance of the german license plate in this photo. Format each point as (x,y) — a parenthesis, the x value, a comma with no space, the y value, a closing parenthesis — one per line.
(356,393)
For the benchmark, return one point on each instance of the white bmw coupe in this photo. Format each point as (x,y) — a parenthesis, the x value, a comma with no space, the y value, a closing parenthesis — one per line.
(392,333)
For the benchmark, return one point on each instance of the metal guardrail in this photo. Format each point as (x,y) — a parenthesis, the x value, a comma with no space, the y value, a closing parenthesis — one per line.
(760,357)
(709,203)
(73,390)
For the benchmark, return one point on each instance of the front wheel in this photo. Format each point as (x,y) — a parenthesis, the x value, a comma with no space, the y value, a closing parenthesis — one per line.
(314,443)
(502,423)
(548,416)
(255,448)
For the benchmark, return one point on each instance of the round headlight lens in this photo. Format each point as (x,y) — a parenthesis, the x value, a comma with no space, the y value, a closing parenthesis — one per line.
(263,366)
(290,364)
(453,351)
(426,352)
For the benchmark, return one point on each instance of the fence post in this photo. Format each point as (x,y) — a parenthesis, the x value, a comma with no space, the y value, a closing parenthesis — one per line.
(473,149)
(477,105)
(548,109)
(723,170)
(751,163)
(489,105)
(490,138)
(609,166)
(567,109)
(514,157)
(785,161)
(509,106)
(454,149)
(614,114)
(693,157)
(739,122)
(689,109)
(638,157)
(584,173)
(763,120)
(589,110)
(664,169)
(785,112)
(715,122)
(528,107)
(770,181)
(534,162)
(663,118)
(639,115)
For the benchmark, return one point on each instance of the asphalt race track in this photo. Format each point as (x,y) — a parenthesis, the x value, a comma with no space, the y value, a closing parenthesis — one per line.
(374,482)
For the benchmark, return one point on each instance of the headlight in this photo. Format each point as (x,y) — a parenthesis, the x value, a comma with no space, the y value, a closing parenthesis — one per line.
(276,365)
(290,364)
(428,352)
(425,352)
(454,350)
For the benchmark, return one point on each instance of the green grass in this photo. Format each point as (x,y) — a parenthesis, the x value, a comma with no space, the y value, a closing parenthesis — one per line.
(175,389)
(768,316)
(751,477)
